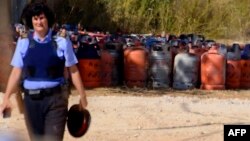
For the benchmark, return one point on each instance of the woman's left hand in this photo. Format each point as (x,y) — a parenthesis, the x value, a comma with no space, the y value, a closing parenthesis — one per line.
(83,102)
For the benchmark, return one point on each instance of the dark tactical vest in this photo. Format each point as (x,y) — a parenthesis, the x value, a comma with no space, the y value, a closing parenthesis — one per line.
(41,62)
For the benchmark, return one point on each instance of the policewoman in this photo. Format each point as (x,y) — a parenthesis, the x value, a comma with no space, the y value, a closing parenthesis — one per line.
(39,60)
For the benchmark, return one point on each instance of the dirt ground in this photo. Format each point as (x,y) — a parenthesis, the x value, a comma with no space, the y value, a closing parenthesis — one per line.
(135,114)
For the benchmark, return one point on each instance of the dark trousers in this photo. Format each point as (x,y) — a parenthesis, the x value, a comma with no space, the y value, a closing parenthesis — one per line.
(46,116)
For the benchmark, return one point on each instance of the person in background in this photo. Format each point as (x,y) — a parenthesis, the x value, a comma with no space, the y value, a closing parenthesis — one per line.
(75,41)
(163,37)
(63,32)
(55,29)
(80,29)
(15,33)
(39,61)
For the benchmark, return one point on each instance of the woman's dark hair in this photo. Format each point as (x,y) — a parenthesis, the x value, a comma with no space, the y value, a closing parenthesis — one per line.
(35,9)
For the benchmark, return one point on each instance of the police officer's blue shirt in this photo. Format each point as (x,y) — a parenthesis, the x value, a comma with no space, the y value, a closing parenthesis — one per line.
(64,48)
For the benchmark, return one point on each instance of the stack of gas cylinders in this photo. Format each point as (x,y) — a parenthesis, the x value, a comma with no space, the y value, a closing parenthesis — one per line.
(180,62)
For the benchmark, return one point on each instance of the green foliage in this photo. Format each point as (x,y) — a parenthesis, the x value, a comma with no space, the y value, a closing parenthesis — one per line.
(212,18)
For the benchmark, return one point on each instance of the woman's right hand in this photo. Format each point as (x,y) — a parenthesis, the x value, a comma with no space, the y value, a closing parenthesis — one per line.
(6,105)
(11,88)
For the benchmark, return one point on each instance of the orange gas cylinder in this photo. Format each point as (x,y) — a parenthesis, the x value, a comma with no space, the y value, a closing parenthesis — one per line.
(135,66)
(245,74)
(233,73)
(213,70)
(90,72)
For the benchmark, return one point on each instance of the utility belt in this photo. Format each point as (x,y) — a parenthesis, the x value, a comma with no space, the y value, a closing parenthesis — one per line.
(41,93)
